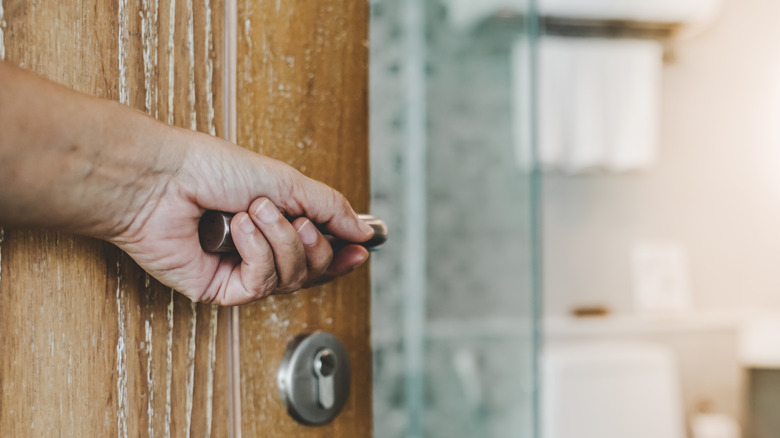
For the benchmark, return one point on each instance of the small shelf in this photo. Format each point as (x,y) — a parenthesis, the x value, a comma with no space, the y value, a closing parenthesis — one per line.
(559,328)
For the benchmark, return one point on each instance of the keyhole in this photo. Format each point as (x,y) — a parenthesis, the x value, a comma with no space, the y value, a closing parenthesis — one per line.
(325,363)
(325,368)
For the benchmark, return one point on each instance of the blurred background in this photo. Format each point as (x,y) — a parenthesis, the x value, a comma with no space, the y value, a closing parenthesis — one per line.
(453,310)
(584,197)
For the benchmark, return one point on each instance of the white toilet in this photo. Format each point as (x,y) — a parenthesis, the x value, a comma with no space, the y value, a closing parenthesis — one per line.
(610,390)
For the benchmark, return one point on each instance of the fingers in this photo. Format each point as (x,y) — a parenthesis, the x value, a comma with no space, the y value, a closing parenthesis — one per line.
(290,190)
(282,257)
(328,207)
(318,251)
(288,252)
(258,277)
(347,260)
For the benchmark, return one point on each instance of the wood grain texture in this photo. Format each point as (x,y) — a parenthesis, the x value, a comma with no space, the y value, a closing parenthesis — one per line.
(91,345)
(303,89)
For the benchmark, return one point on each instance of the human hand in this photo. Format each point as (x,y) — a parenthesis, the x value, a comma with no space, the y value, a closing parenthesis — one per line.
(102,169)
(274,255)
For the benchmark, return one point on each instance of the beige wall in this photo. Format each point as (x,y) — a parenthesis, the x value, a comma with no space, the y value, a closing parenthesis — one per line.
(716,188)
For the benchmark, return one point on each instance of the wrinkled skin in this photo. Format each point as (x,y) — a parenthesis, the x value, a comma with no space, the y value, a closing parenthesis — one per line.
(101,169)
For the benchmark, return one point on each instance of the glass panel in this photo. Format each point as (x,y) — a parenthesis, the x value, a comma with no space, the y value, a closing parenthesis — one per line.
(455,290)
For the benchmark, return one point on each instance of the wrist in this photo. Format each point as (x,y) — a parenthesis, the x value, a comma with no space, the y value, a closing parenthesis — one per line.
(141,160)
(74,162)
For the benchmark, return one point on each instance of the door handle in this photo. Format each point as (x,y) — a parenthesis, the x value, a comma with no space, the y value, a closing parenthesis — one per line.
(214,233)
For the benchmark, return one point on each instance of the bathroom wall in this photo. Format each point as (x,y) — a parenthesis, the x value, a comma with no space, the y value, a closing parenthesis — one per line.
(715,191)
(388,107)
(478,301)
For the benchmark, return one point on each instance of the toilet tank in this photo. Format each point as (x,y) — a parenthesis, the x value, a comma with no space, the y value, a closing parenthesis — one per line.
(610,390)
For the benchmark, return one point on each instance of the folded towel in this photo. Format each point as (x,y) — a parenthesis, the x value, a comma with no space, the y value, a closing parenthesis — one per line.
(598,103)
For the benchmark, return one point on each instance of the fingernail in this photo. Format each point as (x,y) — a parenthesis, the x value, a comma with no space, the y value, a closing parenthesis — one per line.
(266,212)
(365,228)
(245,225)
(308,233)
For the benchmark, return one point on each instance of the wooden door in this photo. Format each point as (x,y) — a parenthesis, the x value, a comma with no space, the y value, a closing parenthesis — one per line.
(303,98)
(89,344)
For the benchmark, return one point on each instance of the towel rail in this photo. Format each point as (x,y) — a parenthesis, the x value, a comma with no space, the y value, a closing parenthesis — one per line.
(597,28)
(586,27)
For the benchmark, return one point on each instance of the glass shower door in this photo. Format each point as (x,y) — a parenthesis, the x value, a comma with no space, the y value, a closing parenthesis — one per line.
(455,293)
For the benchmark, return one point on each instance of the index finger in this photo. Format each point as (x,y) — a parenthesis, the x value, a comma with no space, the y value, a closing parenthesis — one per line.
(327,207)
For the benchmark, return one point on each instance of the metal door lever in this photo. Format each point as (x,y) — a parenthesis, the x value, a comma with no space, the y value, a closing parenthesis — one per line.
(214,232)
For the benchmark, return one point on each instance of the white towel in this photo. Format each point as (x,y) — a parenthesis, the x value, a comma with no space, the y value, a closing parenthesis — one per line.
(598,103)
(632,104)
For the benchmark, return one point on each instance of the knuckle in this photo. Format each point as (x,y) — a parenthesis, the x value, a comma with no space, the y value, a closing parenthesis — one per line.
(210,295)
(302,277)
(263,286)
(340,201)
(292,190)
(289,237)
(294,283)
(326,260)
(288,287)
(298,185)
(269,284)
(318,270)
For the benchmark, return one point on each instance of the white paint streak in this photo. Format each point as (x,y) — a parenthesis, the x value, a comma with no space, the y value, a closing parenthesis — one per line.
(234,373)
(209,47)
(171,59)
(71,391)
(121,359)
(230,80)
(249,44)
(168,367)
(2,28)
(212,363)
(268,66)
(121,353)
(191,67)
(149,378)
(191,365)
(123,33)
(149,37)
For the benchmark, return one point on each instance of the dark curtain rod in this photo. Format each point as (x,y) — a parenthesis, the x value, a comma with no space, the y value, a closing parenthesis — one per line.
(578,27)
(584,28)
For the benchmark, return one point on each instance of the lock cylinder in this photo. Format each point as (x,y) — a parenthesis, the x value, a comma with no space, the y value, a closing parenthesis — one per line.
(314,378)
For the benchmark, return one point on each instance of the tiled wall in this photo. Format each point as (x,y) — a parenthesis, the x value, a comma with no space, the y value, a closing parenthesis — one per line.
(478,350)
(388,108)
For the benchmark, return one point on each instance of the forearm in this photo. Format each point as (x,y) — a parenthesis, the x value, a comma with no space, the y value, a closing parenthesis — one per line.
(85,165)
(73,162)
